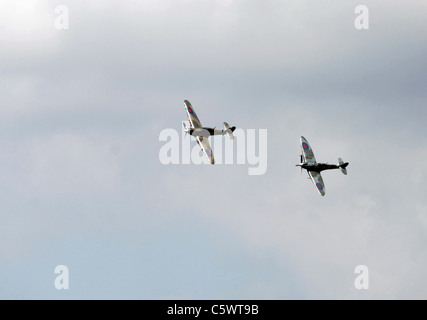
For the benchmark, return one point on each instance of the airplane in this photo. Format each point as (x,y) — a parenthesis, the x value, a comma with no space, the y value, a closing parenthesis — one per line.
(202,133)
(308,162)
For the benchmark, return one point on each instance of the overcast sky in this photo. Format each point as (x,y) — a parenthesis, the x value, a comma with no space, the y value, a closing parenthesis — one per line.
(81,183)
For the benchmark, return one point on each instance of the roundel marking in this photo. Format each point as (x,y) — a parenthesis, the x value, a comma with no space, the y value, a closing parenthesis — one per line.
(305,146)
(190,110)
(319,186)
(208,153)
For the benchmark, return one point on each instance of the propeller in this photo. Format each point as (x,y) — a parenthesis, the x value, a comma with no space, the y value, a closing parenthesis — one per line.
(301,162)
(185,129)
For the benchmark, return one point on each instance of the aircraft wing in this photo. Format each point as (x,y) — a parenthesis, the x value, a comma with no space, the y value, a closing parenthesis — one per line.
(192,116)
(317,181)
(206,147)
(307,152)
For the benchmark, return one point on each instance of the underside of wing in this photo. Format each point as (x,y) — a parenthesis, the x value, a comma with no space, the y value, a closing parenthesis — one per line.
(307,151)
(206,147)
(317,181)
(192,116)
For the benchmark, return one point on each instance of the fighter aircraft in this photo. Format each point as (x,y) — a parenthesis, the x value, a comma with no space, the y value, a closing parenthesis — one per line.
(202,133)
(308,162)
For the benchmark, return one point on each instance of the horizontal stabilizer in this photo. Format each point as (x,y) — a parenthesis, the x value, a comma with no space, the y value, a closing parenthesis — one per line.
(342,165)
(229,130)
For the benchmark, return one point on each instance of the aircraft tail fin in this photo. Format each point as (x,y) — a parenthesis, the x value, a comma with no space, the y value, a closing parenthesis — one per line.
(342,165)
(229,130)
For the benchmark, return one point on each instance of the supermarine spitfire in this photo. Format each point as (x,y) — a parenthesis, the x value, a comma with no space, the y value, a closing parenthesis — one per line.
(308,162)
(202,133)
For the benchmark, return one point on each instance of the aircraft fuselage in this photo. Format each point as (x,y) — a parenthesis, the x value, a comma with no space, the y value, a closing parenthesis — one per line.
(205,132)
(318,167)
